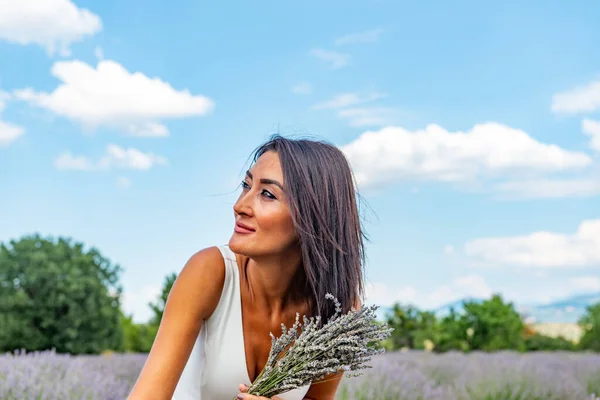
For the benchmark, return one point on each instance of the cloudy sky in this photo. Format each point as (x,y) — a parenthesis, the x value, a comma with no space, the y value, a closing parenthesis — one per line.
(473,129)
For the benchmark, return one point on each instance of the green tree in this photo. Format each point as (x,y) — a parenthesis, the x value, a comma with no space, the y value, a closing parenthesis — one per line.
(412,327)
(489,326)
(404,320)
(427,329)
(159,306)
(55,294)
(492,325)
(454,333)
(539,342)
(590,323)
(138,337)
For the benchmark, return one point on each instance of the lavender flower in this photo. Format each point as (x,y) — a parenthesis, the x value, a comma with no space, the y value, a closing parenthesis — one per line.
(48,375)
(418,375)
(344,344)
(402,375)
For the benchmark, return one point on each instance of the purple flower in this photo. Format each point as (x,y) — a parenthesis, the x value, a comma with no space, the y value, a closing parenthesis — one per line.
(412,375)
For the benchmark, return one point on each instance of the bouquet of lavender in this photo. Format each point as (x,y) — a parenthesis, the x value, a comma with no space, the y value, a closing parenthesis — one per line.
(345,343)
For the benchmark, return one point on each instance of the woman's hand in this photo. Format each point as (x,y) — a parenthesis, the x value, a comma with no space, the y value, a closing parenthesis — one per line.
(245,396)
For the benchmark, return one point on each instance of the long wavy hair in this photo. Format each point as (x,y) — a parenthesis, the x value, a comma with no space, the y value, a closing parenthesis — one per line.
(323,201)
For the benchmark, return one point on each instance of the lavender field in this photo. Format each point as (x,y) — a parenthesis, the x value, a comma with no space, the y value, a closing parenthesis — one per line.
(398,376)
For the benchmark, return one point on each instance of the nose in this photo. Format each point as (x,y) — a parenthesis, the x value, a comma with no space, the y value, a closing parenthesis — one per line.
(243,205)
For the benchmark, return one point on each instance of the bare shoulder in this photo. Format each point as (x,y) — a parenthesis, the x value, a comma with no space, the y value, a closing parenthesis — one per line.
(201,281)
(193,298)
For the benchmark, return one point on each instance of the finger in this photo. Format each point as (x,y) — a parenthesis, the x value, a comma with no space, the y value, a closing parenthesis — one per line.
(243,388)
(246,396)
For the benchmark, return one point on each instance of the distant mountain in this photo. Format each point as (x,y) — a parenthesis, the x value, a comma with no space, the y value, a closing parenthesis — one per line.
(382,311)
(441,311)
(567,310)
(457,305)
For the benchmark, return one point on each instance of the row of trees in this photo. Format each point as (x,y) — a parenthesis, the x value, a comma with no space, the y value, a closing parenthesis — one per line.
(54,293)
(491,325)
(138,337)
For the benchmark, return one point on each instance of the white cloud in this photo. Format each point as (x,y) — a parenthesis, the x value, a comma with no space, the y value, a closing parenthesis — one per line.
(381,294)
(136,302)
(473,286)
(112,96)
(114,157)
(541,249)
(586,283)
(147,129)
(302,88)
(546,292)
(448,249)
(469,286)
(360,37)
(592,128)
(335,59)
(488,150)
(123,182)
(345,106)
(8,132)
(583,98)
(3,97)
(52,24)
(69,161)
(368,116)
(348,99)
(548,188)
(99,53)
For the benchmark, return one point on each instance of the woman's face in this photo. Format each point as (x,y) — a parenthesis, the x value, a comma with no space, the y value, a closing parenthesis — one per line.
(263,207)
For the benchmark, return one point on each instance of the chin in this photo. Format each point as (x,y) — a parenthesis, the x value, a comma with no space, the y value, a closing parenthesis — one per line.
(248,247)
(240,245)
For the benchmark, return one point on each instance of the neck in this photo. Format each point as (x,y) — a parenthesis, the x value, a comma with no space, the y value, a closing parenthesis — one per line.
(270,280)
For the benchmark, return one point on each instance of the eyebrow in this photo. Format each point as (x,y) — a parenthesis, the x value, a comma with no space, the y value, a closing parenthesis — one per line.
(267,181)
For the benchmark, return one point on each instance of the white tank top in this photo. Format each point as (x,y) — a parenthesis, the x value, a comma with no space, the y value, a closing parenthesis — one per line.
(217,363)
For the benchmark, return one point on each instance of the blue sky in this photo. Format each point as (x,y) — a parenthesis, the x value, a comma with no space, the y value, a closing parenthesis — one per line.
(474,131)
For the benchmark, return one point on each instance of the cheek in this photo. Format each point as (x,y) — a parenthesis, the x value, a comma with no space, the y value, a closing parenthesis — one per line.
(288,229)
(280,226)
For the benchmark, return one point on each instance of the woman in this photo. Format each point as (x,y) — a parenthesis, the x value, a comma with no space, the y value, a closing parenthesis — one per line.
(297,236)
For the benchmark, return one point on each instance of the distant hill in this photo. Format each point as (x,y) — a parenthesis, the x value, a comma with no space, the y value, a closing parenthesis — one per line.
(442,311)
(564,311)
(567,310)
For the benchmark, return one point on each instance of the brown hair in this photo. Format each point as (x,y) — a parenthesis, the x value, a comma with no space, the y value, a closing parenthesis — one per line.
(320,186)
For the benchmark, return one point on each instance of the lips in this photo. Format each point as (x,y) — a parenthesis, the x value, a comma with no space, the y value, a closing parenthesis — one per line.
(243,227)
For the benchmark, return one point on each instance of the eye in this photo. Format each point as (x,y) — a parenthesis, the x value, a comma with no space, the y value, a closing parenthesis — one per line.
(268,194)
(265,192)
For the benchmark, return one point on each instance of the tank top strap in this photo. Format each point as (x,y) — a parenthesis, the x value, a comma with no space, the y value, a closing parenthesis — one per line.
(231,267)
(216,363)
(225,315)
(225,364)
